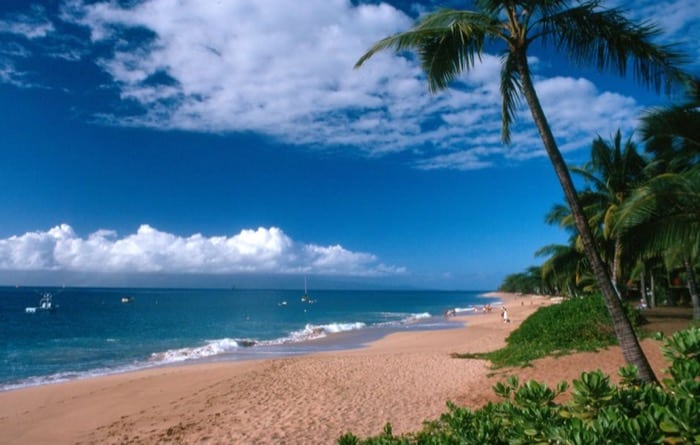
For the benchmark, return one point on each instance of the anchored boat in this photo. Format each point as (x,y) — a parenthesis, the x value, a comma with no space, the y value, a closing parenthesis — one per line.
(45,304)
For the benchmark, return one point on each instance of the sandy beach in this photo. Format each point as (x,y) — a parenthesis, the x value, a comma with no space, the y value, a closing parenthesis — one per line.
(404,378)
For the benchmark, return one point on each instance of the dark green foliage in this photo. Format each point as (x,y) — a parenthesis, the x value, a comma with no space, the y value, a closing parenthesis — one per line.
(529,282)
(578,324)
(581,324)
(598,412)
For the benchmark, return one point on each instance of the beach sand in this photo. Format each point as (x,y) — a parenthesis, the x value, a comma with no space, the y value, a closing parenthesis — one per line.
(404,378)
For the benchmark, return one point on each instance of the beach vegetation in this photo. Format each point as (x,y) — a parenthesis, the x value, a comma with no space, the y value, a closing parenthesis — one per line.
(528,282)
(449,42)
(581,324)
(613,172)
(663,214)
(644,211)
(593,409)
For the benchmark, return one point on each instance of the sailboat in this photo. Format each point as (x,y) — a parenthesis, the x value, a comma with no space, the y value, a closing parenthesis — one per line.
(305,297)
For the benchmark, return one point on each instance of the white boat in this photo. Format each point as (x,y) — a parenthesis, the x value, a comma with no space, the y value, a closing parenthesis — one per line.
(305,297)
(45,304)
(127,299)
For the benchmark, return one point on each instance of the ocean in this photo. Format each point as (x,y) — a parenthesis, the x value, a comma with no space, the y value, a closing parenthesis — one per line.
(99,331)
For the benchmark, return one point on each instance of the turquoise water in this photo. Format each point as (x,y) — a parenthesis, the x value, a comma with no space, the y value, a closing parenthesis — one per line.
(93,333)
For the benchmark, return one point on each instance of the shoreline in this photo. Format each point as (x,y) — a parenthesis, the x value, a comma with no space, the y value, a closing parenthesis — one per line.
(332,337)
(403,378)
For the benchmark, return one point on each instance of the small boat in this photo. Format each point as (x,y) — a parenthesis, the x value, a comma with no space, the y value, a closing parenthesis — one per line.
(127,299)
(45,304)
(305,297)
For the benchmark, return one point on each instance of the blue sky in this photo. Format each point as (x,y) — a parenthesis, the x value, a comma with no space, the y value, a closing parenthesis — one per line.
(209,143)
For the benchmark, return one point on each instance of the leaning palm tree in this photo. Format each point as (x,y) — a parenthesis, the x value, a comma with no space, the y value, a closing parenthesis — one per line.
(449,42)
(560,215)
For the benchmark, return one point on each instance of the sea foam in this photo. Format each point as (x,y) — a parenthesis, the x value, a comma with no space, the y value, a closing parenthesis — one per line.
(212,348)
(311,331)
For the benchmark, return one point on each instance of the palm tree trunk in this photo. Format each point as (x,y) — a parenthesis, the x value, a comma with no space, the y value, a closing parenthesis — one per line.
(643,286)
(692,288)
(652,288)
(617,266)
(631,349)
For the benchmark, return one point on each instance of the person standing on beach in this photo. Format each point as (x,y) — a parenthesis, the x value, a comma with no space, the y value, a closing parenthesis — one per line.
(504,314)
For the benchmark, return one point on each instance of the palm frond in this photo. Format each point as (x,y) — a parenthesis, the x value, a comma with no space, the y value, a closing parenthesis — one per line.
(559,215)
(677,121)
(544,7)
(673,135)
(610,41)
(447,42)
(609,218)
(490,6)
(588,175)
(664,213)
(510,97)
(551,250)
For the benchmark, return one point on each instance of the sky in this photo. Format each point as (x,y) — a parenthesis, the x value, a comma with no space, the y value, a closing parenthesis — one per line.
(231,143)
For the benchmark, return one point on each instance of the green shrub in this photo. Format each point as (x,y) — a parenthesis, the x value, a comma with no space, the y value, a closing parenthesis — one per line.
(577,324)
(581,324)
(598,412)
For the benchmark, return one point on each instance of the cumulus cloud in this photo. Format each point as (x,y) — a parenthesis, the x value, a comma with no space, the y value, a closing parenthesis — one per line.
(263,250)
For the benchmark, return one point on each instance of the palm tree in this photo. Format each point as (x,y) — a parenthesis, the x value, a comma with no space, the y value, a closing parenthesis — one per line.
(565,268)
(561,215)
(528,282)
(664,215)
(666,210)
(612,173)
(672,134)
(449,42)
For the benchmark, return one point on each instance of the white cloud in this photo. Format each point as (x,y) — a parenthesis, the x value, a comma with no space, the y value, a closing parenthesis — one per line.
(576,111)
(576,108)
(285,69)
(34,25)
(11,75)
(24,30)
(14,49)
(263,250)
(462,160)
(675,17)
(678,20)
